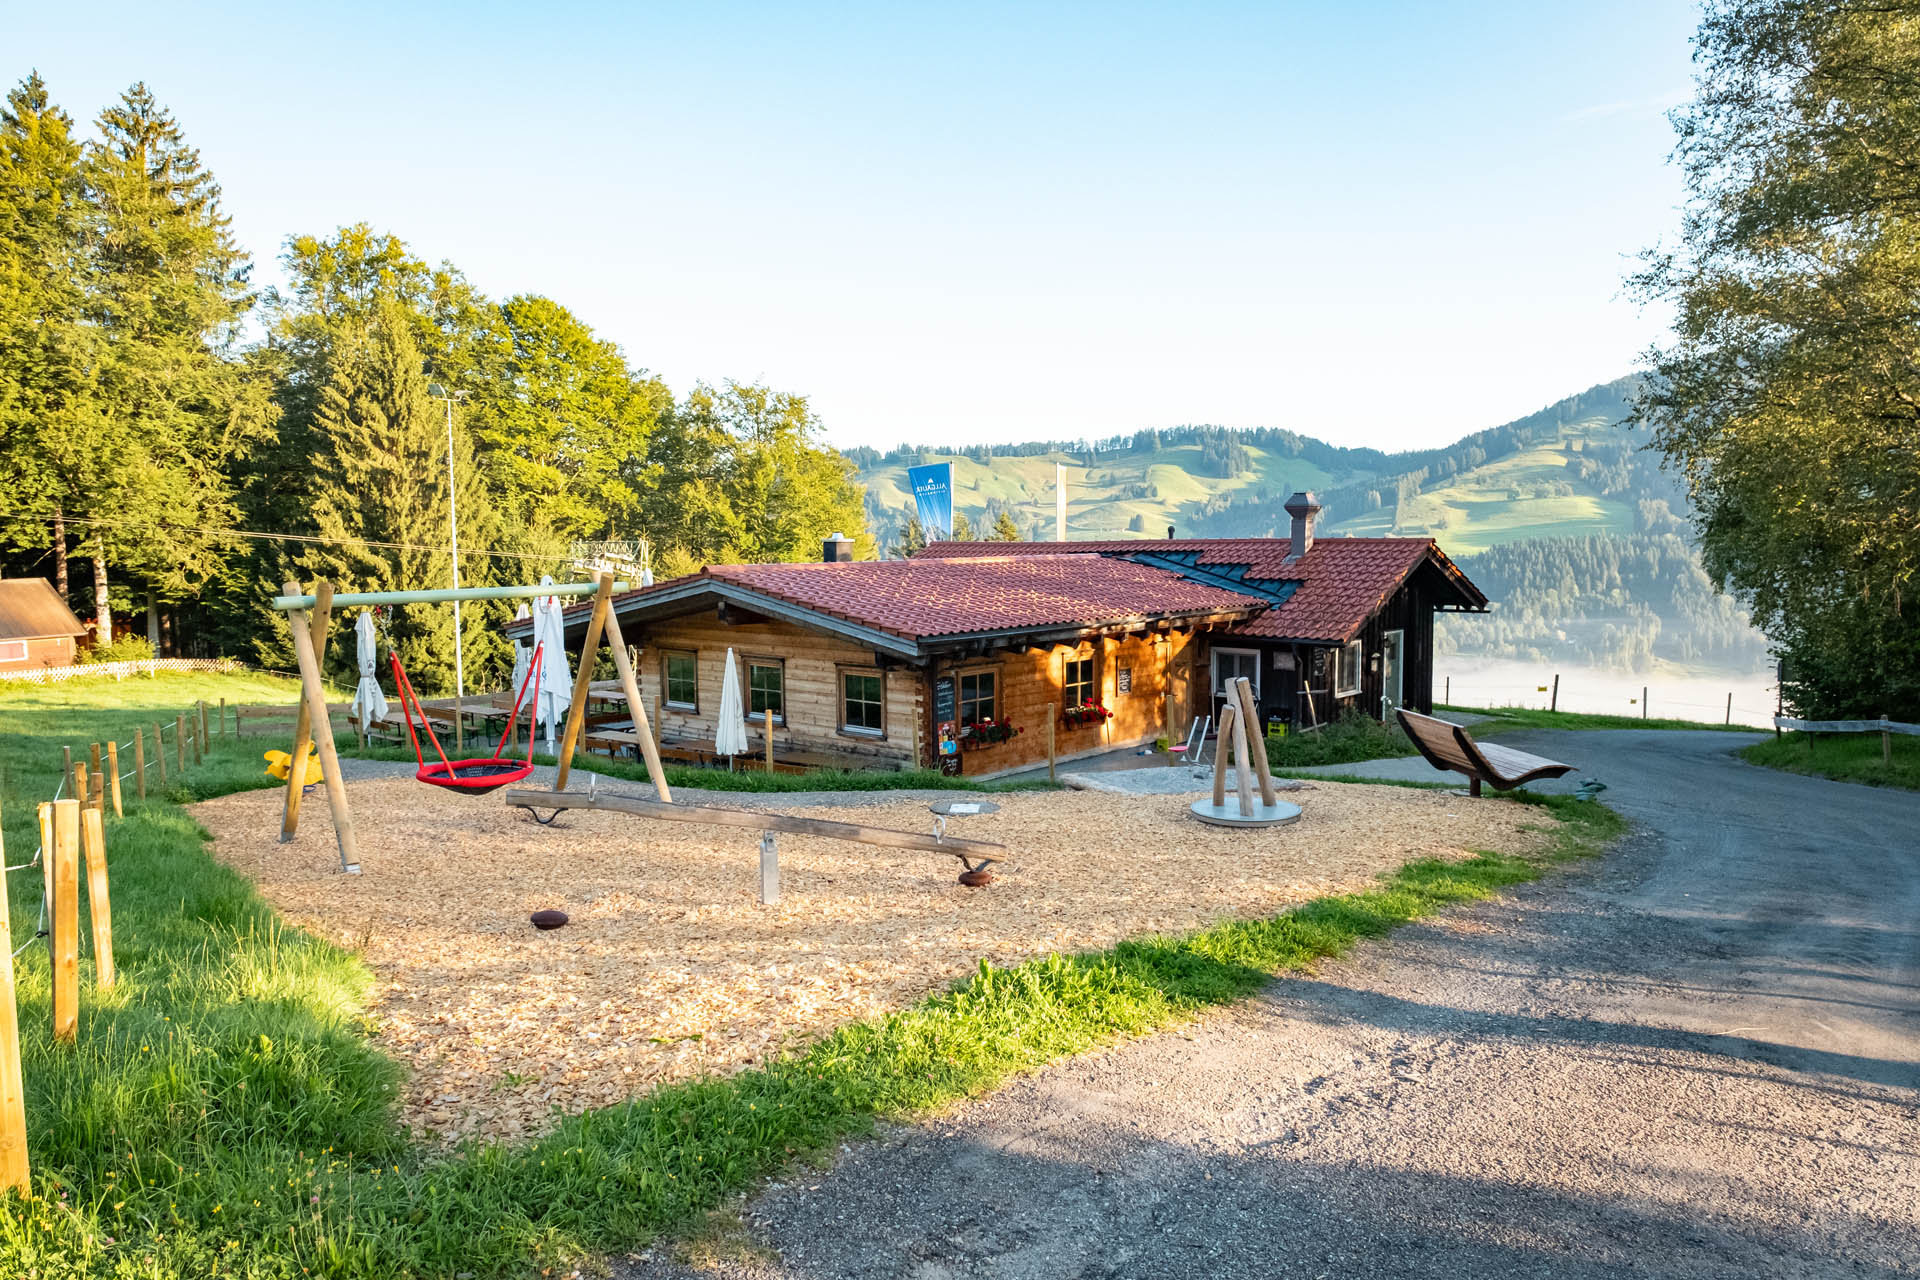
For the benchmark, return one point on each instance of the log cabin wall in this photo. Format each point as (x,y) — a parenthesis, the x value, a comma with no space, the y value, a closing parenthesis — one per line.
(812,663)
(1029,682)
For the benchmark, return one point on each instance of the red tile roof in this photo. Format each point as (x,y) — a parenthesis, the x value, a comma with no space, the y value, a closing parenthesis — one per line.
(1341,581)
(954,595)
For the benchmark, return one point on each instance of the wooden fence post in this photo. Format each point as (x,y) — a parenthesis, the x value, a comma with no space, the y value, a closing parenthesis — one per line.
(13,1097)
(113,777)
(82,788)
(1555,704)
(94,839)
(160,753)
(1053,714)
(93,758)
(1447,697)
(223,718)
(1729,706)
(98,800)
(1643,702)
(66,767)
(201,739)
(195,733)
(180,743)
(63,862)
(140,762)
(1886,741)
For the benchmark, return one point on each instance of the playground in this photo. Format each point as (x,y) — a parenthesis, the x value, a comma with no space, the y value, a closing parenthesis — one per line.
(672,967)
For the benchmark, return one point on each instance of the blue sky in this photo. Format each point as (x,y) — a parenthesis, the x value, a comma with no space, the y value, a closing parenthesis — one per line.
(1380,224)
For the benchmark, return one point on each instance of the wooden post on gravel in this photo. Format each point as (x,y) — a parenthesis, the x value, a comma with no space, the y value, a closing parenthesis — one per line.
(140,762)
(13,1094)
(160,753)
(63,862)
(303,725)
(1053,714)
(577,709)
(1222,748)
(309,640)
(113,777)
(93,838)
(1243,692)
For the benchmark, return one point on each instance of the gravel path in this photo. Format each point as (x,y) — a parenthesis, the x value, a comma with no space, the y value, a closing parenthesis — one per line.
(1697,1057)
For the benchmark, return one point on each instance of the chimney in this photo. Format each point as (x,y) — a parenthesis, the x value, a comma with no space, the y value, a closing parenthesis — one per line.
(1303,509)
(837,549)
(1169,533)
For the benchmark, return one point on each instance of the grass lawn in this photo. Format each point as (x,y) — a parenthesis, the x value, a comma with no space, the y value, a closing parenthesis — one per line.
(225,1113)
(1849,757)
(1525,718)
(1348,740)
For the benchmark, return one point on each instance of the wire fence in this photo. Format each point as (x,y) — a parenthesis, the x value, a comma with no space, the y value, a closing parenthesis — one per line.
(1732,700)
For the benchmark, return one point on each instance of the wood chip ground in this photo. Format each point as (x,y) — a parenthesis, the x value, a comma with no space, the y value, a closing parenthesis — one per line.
(671,967)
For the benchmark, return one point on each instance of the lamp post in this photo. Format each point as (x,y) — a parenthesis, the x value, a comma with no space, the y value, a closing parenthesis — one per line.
(453,540)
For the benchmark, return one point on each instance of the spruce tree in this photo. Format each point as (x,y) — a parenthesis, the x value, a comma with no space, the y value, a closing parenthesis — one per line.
(381,478)
(48,352)
(1004,529)
(168,295)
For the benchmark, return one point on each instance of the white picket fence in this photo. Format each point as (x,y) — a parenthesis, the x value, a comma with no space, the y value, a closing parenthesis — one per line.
(121,670)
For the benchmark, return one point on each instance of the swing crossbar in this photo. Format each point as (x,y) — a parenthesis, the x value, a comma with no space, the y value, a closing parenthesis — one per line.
(984,850)
(348,599)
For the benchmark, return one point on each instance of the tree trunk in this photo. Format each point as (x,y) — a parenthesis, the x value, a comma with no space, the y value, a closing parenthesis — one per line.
(153,623)
(102,610)
(60,558)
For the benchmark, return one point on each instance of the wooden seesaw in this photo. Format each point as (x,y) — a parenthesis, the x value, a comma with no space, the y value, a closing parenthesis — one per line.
(974,874)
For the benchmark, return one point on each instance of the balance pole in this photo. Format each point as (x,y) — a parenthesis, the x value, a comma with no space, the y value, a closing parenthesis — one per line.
(303,717)
(13,1094)
(1222,748)
(1250,714)
(582,679)
(642,727)
(314,700)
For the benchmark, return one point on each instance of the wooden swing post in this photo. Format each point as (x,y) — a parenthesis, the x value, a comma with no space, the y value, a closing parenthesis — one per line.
(309,639)
(583,679)
(303,719)
(642,727)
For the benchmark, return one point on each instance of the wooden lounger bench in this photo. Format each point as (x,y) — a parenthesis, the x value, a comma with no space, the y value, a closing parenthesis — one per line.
(1449,746)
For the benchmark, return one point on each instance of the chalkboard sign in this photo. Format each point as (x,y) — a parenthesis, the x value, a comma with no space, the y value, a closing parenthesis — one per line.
(943,704)
(1125,681)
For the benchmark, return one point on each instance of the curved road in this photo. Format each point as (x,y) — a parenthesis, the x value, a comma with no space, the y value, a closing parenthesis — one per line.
(1699,1056)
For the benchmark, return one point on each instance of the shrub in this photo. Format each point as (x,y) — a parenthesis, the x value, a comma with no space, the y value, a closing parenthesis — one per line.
(125,649)
(1348,740)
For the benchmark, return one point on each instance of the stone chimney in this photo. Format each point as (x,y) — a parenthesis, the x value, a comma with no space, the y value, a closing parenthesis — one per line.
(837,550)
(1303,509)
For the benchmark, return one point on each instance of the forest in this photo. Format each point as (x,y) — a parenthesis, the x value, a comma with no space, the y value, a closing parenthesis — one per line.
(175,442)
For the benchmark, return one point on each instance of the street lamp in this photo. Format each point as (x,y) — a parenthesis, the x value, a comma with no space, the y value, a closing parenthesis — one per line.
(453,539)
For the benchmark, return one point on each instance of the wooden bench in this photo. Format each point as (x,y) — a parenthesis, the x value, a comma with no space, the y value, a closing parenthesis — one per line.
(1449,746)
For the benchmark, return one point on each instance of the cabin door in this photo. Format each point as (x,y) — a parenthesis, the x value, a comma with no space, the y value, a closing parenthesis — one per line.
(1393,665)
(1230,664)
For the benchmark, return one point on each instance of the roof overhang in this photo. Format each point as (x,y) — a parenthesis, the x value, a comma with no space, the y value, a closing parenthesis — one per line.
(698,593)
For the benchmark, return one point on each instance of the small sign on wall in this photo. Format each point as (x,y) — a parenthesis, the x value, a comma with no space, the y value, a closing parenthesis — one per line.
(1123,682)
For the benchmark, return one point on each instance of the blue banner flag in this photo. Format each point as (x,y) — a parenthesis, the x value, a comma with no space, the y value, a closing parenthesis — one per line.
(933,498)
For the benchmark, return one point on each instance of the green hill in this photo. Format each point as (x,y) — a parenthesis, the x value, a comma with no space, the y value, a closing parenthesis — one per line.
(1571,527)
(1568,470)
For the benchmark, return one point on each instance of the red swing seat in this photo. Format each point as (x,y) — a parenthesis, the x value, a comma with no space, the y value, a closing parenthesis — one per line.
(480,774)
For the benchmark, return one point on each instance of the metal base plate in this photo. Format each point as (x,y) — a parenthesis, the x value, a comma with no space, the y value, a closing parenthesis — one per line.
(1277,814)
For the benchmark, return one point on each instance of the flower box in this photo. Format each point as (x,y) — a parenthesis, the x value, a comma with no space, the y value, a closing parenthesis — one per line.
(986,733)
(1084,714)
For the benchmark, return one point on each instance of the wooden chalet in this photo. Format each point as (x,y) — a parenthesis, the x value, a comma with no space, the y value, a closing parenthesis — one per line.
(37,629)
(960,657)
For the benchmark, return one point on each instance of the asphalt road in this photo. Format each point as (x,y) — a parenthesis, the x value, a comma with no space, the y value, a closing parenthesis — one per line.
(1699,1056)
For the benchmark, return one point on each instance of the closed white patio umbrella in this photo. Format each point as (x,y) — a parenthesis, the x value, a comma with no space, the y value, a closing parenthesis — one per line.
(369,704)
(555,693)
(730,732)
(522,653)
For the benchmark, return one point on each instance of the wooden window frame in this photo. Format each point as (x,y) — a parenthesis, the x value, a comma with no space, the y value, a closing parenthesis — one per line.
(26,651)
(667,699)
(861,732)
(746,688)
(1358,649)
(959,696)
(1092,659)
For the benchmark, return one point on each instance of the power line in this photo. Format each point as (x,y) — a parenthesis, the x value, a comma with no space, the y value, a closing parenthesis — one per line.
(310,538)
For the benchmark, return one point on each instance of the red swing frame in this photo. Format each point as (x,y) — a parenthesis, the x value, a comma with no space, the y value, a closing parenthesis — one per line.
(491,772)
